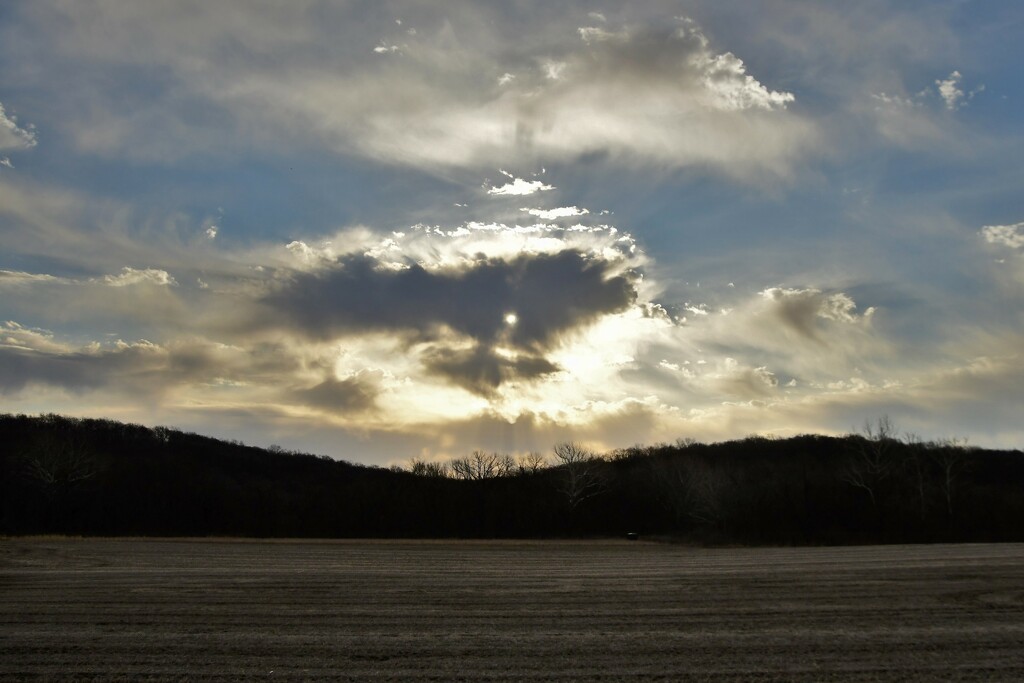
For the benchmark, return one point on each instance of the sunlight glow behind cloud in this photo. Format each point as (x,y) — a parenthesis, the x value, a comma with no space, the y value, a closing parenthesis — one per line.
(380,233)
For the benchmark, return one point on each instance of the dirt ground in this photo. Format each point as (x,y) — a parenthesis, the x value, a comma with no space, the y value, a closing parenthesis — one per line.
(529,611)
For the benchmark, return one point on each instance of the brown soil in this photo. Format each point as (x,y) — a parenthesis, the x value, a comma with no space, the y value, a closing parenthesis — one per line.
(528,611)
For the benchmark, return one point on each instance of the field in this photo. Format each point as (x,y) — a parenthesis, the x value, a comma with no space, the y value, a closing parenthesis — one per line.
(530,611)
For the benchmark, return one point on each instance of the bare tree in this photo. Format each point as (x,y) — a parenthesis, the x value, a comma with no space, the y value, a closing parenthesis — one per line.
(482,465)
(916,465)
(870,461)
(950,455)
(532,462)
(428,468)
(671,479)
(694,488)
(583,473)
(461,468)
(708,491)
(57,466)
(506,465)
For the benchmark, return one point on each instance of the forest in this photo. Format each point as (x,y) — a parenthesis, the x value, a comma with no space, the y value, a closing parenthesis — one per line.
(89,477)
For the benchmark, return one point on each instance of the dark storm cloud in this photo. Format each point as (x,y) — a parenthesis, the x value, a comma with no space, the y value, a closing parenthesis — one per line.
(549,294)
(481,371)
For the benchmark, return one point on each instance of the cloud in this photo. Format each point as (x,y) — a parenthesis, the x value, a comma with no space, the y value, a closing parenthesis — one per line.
(16,336)
(198,368)
(949,90)
(81,370)
(451,247)
(912,118)
(131,276)
(802,310)
(1011,236)
(13,136)
(731,88)
(758,344)
(738,382)
(6,162)
(14,278)
(994,378)
(529,318)
(555,214)
(81,232)
(520,187)
(481,370)
(342,396)
(141,299)
(462,95)
(550,293)
(591,34)
(454,331)
(1008,240)
(661,95)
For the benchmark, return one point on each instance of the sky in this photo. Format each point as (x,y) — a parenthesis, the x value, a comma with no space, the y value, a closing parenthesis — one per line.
(387,230)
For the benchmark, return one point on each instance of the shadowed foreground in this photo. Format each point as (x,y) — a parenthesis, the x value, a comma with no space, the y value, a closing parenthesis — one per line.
(536,611)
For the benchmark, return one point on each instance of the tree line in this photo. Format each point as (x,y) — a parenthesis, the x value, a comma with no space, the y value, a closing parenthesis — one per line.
(100,477)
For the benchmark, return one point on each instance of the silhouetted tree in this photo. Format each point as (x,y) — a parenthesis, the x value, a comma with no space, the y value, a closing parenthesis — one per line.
(951,457)
(57,465)
(871,462)
(482,465)
(427,468)
(99,477)
(583,474)
(532,462)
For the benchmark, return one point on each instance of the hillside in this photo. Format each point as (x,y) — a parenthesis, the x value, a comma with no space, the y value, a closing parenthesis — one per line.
(98,477)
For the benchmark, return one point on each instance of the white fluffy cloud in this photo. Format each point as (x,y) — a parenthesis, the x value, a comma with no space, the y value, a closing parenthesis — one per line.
(132,276)
(949,90)
(519,187)
(555,214)
(1011,236)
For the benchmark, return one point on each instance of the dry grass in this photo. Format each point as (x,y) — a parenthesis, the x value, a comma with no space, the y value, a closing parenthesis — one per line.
(530,611)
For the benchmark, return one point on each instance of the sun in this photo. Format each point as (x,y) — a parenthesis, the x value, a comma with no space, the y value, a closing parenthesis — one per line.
(511,319)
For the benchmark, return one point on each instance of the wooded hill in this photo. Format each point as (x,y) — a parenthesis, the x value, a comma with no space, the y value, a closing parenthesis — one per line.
(61,475)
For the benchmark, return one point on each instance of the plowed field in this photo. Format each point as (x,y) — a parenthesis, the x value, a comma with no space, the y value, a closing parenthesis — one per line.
(529,611)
